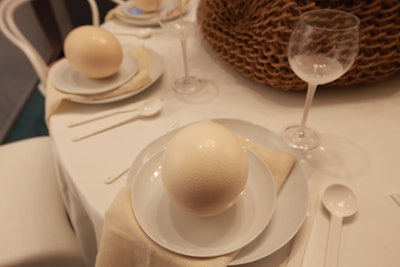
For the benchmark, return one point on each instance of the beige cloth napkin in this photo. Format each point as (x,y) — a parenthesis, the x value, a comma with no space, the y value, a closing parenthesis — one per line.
(124,244)
(54,97)
(116,12)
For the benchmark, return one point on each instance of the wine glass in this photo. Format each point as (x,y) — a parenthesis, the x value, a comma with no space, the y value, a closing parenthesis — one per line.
(181,28)
(322,47)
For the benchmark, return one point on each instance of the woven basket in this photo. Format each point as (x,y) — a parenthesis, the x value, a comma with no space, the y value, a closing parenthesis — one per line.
(252,36)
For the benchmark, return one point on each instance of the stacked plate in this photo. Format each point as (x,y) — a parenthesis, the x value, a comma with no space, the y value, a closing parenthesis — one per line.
(258,224)
(67,80)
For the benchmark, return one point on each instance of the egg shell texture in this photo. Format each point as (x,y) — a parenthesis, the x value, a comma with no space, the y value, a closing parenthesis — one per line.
(93,52)
(204,168)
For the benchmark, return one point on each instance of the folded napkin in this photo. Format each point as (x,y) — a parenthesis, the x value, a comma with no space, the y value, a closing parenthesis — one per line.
(116,13)
(279,162)
(54,97)
(124,244)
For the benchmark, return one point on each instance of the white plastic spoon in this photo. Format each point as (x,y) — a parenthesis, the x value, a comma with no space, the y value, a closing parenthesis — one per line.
(340,201)
(145,104)
(111,179)
(147,110)
(140,33)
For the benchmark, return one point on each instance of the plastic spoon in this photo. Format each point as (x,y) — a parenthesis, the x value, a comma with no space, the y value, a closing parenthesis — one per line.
(340,201)
(143,105)
(140,33)
(143,111)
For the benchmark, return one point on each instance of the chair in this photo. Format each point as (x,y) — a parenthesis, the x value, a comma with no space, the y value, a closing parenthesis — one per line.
(13,33)
(35,230)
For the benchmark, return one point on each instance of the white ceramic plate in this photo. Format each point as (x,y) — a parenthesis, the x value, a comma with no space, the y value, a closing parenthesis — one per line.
(158,66)
(67,80)
(183,233)
(134,12)
(291,205)
(132,15)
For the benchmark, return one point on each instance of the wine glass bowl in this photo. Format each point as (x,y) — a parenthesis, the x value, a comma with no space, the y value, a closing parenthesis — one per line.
(322,47)
(181,28)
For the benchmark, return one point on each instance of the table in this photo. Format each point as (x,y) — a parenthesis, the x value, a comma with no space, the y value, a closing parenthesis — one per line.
(359,127)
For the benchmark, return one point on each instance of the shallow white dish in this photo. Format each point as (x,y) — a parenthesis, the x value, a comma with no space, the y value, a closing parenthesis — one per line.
(134,12)
(183,233)
(131,15)
(67,80)
(291,205)
(158,66)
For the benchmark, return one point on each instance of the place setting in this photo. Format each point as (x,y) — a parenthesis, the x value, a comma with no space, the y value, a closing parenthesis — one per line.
(247,226)
(94,73)
(147,12)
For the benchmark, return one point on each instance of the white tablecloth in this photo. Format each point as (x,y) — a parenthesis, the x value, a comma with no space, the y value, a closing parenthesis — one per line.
(359,128)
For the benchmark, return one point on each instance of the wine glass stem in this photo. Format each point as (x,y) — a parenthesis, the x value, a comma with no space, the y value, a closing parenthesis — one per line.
(310,95)
(185,62)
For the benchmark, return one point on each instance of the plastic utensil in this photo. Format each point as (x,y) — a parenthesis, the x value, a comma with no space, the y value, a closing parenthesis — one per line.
(340,201)
(112,178)
(145,104)
(300,242)
(140,33)
(143,111)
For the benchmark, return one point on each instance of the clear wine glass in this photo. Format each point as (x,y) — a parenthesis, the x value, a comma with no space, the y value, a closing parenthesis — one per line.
(322,47)
(180,28)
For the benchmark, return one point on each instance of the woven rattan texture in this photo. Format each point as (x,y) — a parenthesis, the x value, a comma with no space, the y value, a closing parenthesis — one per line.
(252,36)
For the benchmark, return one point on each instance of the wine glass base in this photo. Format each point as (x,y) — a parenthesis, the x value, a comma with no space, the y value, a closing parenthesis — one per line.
(300,138)
(188,85)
